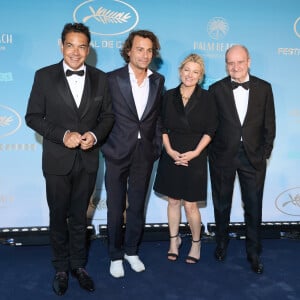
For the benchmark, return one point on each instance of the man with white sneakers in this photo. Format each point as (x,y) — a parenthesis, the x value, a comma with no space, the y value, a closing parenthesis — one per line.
(116,266)
(132,147)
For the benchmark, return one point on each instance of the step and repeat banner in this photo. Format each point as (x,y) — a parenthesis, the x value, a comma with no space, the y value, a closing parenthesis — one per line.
(29,39)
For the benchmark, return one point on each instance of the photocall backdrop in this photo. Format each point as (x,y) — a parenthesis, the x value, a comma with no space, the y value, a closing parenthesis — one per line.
(29,39)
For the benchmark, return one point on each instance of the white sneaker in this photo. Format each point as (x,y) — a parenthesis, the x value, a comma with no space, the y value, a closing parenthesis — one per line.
(116,268)
(135,263)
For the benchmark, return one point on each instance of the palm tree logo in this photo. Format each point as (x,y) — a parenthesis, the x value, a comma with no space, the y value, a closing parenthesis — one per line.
(217,28)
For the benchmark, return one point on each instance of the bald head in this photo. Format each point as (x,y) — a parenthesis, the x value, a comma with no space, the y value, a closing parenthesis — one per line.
(238,62)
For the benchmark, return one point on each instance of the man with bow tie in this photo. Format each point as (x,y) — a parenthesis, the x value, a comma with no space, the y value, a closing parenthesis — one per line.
(70,107)
(242,144)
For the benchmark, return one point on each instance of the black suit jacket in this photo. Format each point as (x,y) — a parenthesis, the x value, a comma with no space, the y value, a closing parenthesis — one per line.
(123,138)
(52,111)
(257,131)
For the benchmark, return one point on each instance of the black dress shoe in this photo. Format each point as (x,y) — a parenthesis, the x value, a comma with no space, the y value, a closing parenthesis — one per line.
(60,283)
(85,281)
(220,253)
(256,266)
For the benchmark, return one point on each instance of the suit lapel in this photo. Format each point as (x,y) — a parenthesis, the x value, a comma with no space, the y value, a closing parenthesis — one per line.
(252,105)
(66,94)
(153,88)
(63,88)
(177,101)
(84,104)
(193,100)
(125,88)
(231,101)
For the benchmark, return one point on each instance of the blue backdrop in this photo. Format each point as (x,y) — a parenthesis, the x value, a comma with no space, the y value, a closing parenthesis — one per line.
(29,39)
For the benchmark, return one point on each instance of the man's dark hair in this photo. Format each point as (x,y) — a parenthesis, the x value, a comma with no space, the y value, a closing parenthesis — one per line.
(142,33)
(75,27)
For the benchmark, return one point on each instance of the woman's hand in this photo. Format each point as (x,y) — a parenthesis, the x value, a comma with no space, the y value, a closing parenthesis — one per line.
(173,154)
(184,158)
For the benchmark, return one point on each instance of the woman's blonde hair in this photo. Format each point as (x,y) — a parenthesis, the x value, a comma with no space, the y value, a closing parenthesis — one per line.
(193,57)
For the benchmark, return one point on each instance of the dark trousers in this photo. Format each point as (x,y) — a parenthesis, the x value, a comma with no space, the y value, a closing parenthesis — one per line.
(68,198)
(126,180)
(252,184)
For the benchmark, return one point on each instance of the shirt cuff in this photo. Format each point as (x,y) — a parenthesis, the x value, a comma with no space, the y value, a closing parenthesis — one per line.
(94,137)
(65,135)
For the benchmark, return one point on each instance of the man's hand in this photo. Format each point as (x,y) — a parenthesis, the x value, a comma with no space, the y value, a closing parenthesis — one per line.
(72,139)
(87,141)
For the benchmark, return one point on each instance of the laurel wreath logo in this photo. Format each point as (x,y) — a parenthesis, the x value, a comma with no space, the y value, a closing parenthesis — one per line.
(294,200)
(115,17)
(5,121)
(11,122)
(106,16)
(295,27)
(288,202)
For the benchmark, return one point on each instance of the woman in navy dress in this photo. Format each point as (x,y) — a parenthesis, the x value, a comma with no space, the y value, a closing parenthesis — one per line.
(189,125)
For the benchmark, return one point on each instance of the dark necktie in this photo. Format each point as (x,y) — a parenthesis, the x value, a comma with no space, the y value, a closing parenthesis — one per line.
(235,85)
(70,72)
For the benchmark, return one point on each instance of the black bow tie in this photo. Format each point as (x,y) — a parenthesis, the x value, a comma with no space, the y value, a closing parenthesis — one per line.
(70,72)
(235,85)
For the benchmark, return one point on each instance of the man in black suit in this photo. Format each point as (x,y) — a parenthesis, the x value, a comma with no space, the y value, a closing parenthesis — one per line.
(132,147)
(242,144)
(70,107)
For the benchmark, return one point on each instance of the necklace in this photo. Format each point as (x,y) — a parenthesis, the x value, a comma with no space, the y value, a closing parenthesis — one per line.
(185,98)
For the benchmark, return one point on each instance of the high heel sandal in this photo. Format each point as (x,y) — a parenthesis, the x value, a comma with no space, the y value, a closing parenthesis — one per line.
(193,260)
(174,256)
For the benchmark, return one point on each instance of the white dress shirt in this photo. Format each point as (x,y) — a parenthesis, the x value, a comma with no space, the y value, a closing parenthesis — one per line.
(140,92)
(76,83)
(241,97)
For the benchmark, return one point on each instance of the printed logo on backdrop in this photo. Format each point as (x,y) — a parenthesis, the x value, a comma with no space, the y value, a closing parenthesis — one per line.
(288,202)
(215,46)
(6,77)
(106,17)
(217,28)
(5,40)
(291,51)
(97,209)
(297,27)
(6,200)
(10,121)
